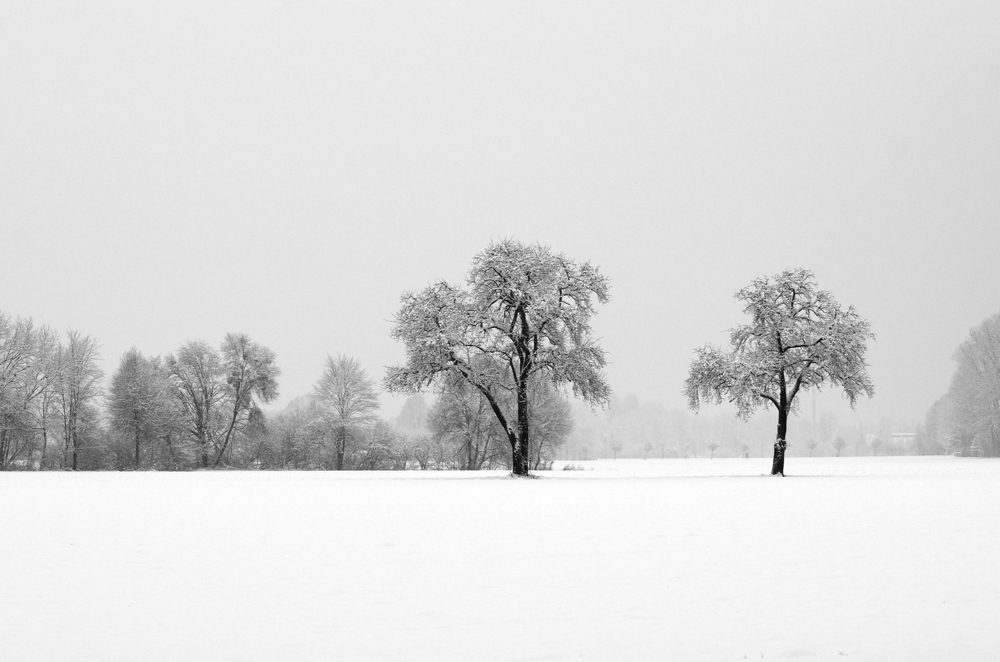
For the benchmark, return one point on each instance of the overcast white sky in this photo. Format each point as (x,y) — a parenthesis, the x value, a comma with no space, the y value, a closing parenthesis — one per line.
(173,171)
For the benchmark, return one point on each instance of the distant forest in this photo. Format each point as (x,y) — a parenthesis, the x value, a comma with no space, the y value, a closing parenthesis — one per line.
(203,406)
(966,420)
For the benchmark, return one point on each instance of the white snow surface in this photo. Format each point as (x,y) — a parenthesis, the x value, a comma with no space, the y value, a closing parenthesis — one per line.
(844,559)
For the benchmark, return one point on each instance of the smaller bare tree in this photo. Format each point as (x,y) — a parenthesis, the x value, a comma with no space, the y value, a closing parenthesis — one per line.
(798,338)
(616,448)
(347,403)
(838,444)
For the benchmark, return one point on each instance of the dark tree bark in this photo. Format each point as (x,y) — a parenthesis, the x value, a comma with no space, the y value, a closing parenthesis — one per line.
(341,448)
(778,463)
(45,444)
(204,452)
(521,455)
(138,435)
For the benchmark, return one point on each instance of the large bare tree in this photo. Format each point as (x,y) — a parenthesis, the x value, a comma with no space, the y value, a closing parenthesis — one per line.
(526,311)
(798,337)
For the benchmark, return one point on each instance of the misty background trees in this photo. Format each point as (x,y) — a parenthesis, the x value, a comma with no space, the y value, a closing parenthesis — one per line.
(49,390)
(205,405)
(966,420)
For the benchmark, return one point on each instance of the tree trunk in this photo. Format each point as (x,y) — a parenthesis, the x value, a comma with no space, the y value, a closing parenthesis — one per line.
(65,453)
(521,456)
(341,447)
(778,463)
(519,465)
(45,444)
(229,434)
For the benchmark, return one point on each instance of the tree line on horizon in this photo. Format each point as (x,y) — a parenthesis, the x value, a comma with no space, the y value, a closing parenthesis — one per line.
(502,352)
(200,407)
(966,420)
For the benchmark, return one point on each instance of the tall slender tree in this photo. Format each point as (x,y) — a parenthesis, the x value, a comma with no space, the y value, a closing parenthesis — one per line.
(77,386)
(251,378)
(40,381)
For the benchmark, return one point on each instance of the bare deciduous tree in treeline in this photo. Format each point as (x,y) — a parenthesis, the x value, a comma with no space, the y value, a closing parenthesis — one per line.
(838,444)
(76,388)
(616,448)
(145,411)
(551,422)
(195,372)
(251,377)
(462,419)
(466,434)
(347,402)
(220,393)
(48,393)
(975,388)
(26,365)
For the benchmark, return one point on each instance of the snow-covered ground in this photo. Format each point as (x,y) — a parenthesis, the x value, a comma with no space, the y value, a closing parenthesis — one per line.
(850,558)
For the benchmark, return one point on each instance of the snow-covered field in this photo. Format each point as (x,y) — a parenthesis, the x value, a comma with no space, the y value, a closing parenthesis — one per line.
(851,558)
